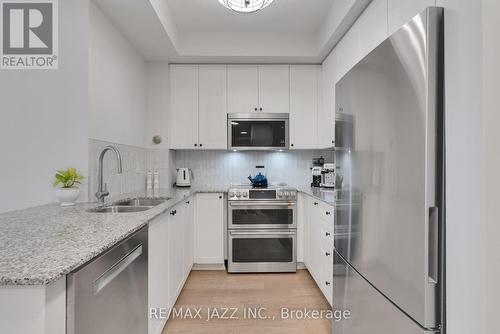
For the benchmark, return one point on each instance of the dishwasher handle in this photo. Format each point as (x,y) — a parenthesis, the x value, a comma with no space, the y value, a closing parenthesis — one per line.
(115,270)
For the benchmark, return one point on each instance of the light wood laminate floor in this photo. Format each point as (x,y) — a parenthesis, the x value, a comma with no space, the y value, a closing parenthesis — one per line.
(217,291)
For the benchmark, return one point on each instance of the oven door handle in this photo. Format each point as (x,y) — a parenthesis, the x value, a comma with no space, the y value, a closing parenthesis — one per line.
(273,233)
(263,204)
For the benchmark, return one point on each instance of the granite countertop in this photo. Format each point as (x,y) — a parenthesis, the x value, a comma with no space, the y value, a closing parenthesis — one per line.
(39,245)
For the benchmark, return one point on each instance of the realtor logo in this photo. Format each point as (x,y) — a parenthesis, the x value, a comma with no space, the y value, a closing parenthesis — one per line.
(28,34)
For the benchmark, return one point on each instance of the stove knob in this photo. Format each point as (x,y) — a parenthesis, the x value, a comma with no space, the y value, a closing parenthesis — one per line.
(231,194)
(245,194)
(286,194)
(280,194)
(292,195)
(238,194)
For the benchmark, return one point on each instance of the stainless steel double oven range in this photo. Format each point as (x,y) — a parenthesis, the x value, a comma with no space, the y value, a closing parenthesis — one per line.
(262,229)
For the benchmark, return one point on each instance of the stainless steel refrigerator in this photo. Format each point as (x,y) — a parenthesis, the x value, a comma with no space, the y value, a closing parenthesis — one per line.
(389,151)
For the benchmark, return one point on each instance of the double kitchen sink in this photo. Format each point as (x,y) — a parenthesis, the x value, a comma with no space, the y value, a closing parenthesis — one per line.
(130,205)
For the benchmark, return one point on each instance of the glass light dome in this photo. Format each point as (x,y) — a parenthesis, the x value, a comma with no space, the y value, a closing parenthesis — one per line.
(245,6)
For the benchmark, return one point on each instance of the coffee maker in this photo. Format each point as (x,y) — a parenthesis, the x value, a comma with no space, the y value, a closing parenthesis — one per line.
(316,171)
(328,175)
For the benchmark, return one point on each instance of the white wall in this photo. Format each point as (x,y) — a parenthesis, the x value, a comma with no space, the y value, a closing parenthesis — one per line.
(466,267)
(43,117)
(491,138)
(117,84)
(158,104)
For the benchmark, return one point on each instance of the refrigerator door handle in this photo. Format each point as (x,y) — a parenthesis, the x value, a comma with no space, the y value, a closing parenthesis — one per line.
(433,261)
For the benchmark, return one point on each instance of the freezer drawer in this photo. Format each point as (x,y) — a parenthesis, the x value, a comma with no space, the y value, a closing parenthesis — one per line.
(371,312)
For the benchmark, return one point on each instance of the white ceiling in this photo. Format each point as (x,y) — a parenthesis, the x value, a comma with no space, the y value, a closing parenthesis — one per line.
(287,31)
(281,16)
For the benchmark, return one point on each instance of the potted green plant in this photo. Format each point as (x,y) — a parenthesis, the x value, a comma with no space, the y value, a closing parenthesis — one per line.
(66,183)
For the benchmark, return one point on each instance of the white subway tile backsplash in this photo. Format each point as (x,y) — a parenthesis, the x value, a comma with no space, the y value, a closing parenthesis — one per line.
(222,167)
(136,161)
(210,168)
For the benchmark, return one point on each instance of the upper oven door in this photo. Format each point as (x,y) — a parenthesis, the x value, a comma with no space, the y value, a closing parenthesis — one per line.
(258,131)
(262,215)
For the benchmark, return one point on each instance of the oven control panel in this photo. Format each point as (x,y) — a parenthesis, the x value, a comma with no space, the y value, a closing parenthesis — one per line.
(251,194)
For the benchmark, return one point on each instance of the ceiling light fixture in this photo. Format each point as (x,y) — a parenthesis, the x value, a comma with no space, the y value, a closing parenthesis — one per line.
(245,6)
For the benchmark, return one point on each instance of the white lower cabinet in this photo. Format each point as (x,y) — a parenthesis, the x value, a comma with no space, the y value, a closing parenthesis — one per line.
(209,229)
(318,240)
(158,275)
(171,238)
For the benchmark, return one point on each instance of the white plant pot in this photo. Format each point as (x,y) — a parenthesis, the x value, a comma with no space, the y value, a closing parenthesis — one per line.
(67,196)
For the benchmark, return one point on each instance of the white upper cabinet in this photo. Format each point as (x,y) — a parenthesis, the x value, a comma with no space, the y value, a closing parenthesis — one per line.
(274,88)
(401,11)
(198,107)
(373,28)
(367,32)
(326,112)
(242,88)
(258,88)
(184,106)
(212,107)
(348,51)
(304,106)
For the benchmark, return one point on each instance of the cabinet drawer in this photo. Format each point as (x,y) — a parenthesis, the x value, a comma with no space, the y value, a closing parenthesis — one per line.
(326,228)
(326,272)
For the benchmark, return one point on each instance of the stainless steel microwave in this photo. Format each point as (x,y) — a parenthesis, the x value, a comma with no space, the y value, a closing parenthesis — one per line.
(258,131)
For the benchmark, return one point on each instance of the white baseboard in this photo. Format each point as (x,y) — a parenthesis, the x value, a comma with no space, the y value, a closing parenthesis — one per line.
(215,266)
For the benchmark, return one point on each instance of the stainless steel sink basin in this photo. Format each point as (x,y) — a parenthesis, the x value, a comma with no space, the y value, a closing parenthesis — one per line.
(120,209)
(130,205)
(141,202)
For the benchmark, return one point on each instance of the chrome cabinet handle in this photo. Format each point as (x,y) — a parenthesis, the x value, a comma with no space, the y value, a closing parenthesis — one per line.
(327,283)
(315,203)
(327,254)
(327,234)
(327,213)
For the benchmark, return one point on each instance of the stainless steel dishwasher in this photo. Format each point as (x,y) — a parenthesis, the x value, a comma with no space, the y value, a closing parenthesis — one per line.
(109,294)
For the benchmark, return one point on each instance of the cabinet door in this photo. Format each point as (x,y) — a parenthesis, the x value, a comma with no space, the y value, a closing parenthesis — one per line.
(209,222)
(212,107)
(373,27)
(158,275)
(402,11)
(176,255)
(184,106)
(315,255)
(274,88)
(348,51)
(188,224)
(242,88)
(304,216)
(304,106)
(326,110)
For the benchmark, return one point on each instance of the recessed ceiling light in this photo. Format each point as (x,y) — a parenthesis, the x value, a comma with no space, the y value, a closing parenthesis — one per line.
(245,6)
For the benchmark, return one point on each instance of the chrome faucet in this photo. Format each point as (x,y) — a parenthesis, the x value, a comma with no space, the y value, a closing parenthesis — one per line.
(102,188)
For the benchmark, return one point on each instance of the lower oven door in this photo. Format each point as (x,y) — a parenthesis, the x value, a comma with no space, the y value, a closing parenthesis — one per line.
(262,251)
